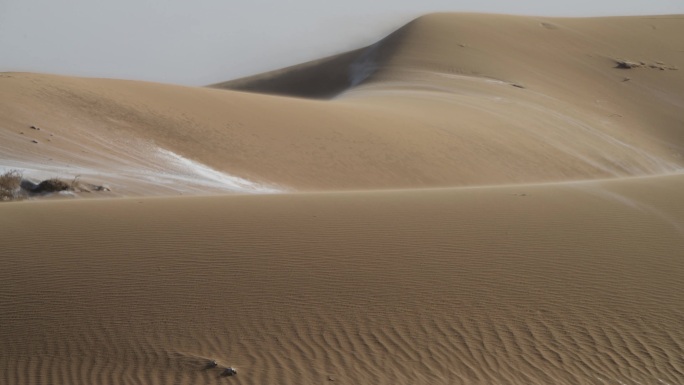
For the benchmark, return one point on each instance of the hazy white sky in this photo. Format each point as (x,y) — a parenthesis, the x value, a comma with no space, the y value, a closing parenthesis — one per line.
(206,41)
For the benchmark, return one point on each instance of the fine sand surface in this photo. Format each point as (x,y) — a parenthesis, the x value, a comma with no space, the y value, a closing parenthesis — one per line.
(475,199)
(548,284)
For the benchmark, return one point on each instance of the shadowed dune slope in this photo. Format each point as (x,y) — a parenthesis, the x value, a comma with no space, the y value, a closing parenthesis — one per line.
(548,284)
(323,78)
(448,100)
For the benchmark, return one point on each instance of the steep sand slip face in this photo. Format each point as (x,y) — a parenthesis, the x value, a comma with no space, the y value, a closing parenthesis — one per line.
(321,78)
(576,283)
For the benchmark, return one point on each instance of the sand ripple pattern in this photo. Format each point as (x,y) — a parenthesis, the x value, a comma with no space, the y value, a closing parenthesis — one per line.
(429,287)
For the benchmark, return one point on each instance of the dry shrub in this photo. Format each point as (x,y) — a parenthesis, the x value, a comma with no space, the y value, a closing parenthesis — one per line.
(13,187)
(51,185)
(10,186)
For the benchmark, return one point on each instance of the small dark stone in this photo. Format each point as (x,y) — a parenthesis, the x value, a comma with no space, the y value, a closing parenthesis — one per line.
(105,188)
(626,64)
(228,372)
(35,128)
(211,364)
(34,141)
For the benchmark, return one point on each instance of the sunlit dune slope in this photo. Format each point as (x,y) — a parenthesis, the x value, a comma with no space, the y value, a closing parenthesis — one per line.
(448,100)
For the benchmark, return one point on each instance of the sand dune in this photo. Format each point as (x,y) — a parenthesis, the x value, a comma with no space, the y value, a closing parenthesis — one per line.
(563,284)
(474,199)
(437,103)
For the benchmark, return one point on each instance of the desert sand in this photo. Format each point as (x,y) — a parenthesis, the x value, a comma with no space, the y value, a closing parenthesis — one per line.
(475,199)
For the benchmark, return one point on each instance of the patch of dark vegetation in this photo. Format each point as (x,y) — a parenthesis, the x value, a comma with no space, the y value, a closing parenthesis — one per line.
(51,186)
(13,186)
(628,64)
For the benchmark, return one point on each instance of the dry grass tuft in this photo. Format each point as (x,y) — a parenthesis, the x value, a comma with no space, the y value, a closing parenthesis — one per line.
(13,187)
(10,186)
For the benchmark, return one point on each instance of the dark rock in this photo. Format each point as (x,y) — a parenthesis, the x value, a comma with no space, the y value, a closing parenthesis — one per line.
(211,364)
(228,372)
(626,64)
(27,185)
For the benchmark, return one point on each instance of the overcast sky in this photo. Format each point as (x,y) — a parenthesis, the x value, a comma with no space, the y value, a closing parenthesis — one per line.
(207,41)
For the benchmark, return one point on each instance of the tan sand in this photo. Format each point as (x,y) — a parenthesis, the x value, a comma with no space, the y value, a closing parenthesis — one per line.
(562,284)
(531,230)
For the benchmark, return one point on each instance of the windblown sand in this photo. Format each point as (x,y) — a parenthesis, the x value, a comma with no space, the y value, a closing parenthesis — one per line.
(475,199)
